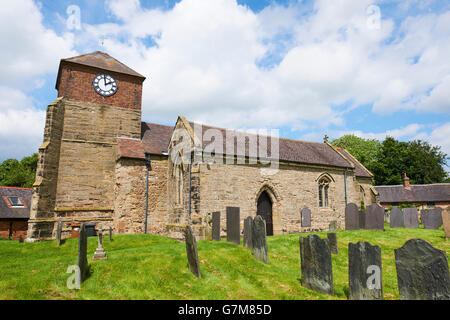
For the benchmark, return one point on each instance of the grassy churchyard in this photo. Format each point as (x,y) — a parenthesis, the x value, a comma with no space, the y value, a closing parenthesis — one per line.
(154,267)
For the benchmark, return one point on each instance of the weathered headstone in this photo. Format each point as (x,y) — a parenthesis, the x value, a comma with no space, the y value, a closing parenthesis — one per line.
(432,218)
(248,225)
(422,271)
(306,217)
(446,221)
(411,218)
(315,256)
(259,239)
(110,234)
(364,271)
(333,226)
(100,252)
(387,217)
(82,253)
(397,218)
(20,238)
(374,217)
(351,217)
(233,225)
(362,219)
(58,232)
(332,240)
(216,226)
(191,250)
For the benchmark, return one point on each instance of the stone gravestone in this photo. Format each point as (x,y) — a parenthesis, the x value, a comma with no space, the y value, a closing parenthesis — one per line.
(411,218)
(397,218)
(422,271)
(362,219)
(216,226)
(82,253)
(58,232)
(233,225)
(100,252)
(332,240)
(374,217)
(248,225)
(306,217)
(20,239)
(364,271)
(315,256)
(259,239)
(446,221)
(110,234)
(191,251)
(333,226)
(351,217)
(432,218)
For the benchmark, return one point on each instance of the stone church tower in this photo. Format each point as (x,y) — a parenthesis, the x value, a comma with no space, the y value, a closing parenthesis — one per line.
(99,100)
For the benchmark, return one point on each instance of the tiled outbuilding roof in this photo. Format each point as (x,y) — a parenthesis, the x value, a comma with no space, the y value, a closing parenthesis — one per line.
(439,192)
(7,211)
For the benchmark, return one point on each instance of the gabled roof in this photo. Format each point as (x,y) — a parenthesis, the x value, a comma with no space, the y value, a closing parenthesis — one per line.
(9,212)
(438,192)
(360,170)
(99,60)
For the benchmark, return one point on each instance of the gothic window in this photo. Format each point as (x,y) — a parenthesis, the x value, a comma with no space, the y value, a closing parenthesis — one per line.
(324,186)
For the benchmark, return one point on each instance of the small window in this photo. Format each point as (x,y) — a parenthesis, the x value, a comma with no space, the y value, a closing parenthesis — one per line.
(430,204)
(323,192)
(15,202)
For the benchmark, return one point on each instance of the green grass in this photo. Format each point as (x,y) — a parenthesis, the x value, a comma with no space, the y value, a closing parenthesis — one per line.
(154,267)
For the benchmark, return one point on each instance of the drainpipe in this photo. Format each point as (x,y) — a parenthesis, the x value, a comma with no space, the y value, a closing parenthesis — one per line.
(345,185)
(147,164)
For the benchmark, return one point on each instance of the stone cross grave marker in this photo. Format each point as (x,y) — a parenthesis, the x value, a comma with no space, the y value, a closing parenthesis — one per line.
(364,271)
(233,225)
(110,234)
(333,226)
(332,240)
(446,221)
(374,217)
(58,232)
(422,271)
(306,217)
(259,239)
(351,217)
(362,219)
(411,218)
(100,252)
(432,218)
(316,267)
(397,218)
(82,253)
(248,233)
(191,251)
(216,226)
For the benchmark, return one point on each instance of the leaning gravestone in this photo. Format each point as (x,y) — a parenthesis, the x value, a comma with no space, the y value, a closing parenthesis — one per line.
(216,226)
(233,225)
(397,218)
(422,271)
(411,218)
(82,253)
(315,256)
(248,224)
(332,240)
(446,221)
(362,219)
(351,217)
(432,218)
(58,232)
(333,226)
(364,271)
(306,217)
(192,254)
(259,239)
(374,217)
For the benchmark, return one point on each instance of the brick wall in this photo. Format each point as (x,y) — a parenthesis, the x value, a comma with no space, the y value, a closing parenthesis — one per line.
(19,228)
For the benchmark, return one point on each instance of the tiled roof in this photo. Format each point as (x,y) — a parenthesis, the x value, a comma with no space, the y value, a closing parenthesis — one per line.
(155,137)
(416,193)
(360,170)
(9,212)
(130,148)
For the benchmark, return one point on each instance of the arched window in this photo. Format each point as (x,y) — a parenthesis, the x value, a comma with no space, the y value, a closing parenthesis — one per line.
(324,186)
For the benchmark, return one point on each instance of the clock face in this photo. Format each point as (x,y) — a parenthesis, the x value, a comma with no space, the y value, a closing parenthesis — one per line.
(104,85)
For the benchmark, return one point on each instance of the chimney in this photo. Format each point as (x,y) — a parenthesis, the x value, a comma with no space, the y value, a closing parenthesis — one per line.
(405,181)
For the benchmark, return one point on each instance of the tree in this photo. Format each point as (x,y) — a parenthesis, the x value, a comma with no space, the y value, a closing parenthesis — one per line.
(15,173)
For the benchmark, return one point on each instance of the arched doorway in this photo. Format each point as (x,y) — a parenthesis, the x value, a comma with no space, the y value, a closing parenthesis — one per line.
(265,211)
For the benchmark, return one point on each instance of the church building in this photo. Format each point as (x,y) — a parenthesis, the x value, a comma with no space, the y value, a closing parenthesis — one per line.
(100,163)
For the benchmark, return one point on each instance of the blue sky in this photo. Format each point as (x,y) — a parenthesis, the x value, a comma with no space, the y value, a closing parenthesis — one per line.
(307,68)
